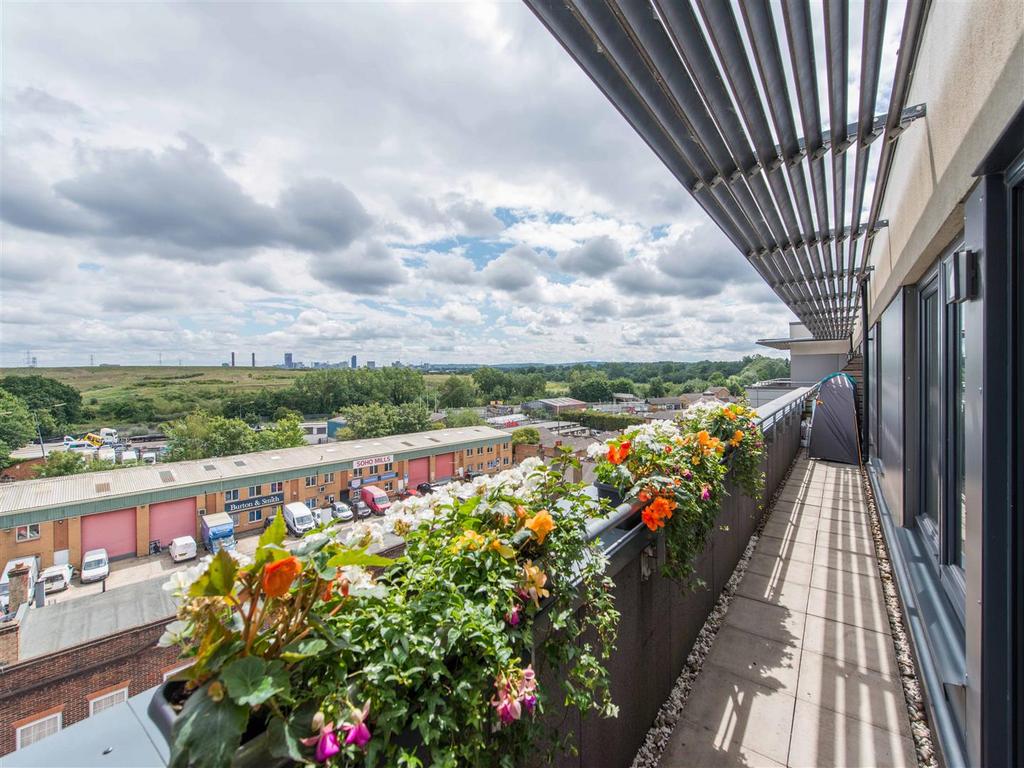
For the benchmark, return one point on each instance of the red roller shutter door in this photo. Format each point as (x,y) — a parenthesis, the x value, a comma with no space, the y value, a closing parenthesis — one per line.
(112,531)
(419,471)
(444,466)
(170,519)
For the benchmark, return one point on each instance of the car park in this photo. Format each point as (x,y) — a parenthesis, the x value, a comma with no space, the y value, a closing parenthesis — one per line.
(57,578)
(95,566)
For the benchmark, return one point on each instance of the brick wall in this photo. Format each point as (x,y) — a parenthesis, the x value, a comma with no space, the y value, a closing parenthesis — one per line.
(64,681)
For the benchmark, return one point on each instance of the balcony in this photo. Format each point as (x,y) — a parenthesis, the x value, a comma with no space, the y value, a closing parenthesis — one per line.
(786,657)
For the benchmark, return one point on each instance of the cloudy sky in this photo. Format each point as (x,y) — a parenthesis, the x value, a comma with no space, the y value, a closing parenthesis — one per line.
(423,183)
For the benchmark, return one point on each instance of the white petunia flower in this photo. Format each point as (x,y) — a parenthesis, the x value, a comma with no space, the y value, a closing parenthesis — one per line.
(175,633)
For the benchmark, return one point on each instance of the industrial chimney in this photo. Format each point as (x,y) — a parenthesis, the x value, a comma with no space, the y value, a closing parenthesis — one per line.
(253,359)
(232,359)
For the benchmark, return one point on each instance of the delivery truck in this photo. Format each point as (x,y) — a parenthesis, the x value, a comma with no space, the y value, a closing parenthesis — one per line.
(218,532)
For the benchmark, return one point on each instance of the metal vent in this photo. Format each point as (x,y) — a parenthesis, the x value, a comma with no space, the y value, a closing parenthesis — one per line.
(102,487)
(406,442)
(166,476)
(209,467)
(239,463)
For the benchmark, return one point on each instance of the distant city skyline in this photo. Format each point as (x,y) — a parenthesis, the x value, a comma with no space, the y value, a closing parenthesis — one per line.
(314,183)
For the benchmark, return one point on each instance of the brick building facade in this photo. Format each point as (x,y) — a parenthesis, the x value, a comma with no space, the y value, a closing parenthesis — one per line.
(58,689)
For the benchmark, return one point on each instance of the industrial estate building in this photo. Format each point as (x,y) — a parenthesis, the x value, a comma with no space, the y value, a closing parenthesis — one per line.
(126,511)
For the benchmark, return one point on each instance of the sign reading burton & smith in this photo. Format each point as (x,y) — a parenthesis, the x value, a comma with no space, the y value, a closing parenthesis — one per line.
(258,501)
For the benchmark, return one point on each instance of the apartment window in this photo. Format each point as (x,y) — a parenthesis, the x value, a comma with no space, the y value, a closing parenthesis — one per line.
(387,486)
(329,477)
(27,532)
(276,487)
(32,732)
(389,466)
(310,481)
(108,700)
(469,451)
(505,460)
(490,449)
(255,490)
(311,503)
(330,498)
(480,451)
(231,495)
(255,515)
(373,470)
(480,466)
(505,445)
(357,472)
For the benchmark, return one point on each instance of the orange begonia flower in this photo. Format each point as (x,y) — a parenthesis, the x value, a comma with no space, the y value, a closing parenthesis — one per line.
(541,524)
(660,510)
(729,414)
(617,455)
(279,575)
(703,437)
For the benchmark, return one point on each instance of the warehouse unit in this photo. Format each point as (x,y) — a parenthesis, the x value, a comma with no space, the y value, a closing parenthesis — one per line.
(131,511)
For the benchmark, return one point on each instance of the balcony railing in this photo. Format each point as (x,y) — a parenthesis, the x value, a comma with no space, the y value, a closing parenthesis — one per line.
(659,624)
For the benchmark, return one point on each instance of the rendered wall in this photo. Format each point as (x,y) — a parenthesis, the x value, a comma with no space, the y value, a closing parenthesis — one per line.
(970,74)
(889,444)
(814,367)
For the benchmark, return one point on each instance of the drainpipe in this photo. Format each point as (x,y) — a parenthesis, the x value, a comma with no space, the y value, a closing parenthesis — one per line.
(865,361)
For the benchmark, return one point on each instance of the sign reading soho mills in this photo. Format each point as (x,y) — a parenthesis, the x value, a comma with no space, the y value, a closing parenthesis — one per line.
(373,461)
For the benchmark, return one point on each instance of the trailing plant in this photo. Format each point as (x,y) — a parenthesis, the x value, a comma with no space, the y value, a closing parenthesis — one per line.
(438,660)
(677,471)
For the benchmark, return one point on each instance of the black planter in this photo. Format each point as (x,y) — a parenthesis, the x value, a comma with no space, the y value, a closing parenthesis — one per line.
(253,753)
(609,492)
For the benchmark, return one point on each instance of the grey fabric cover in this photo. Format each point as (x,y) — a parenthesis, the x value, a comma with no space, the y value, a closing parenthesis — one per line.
(834,430)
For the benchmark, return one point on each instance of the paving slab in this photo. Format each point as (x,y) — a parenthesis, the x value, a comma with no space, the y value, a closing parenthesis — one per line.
(803,670)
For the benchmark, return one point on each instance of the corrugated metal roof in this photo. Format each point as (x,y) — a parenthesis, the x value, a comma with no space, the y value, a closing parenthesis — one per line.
(44,493)
(560,402)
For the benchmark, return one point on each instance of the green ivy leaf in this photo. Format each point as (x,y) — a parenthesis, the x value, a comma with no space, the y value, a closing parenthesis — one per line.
(303,649)
(219,578)
(251,681)
(207,732)
(357,557)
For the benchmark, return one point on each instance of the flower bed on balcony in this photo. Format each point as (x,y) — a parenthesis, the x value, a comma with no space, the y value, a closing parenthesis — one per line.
(330,654)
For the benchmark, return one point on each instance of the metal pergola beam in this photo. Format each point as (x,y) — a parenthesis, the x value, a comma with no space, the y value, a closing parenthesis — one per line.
(709,92)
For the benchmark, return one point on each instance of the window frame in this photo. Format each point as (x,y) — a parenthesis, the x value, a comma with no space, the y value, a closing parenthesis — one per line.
(122,690)
(232,494)
(258,512)
(20,539)
(277,487)
(17,731)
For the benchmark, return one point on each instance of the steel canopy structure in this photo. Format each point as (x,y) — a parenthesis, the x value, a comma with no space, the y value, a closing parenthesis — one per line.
(705,84)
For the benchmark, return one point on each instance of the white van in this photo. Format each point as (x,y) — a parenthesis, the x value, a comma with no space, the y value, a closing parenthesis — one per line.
(298,518)
(182,548)
(5,580)
(95,566)
(57,578)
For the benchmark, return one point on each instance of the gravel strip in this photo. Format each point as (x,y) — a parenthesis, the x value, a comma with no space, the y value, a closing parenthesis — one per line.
(919,727)
(649,754)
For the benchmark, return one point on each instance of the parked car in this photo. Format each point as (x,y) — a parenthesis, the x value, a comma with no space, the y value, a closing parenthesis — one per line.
(298,518)
(408,493)
(361,509)
(182,548)
(342,512)
(5,580)
(375,498)
(95,566)
(57,578)
(425,489)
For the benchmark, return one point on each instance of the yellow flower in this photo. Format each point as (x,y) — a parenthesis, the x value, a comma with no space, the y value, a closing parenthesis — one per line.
(541,524)
(470,539)
(534,581)
(695,460)
(503,549)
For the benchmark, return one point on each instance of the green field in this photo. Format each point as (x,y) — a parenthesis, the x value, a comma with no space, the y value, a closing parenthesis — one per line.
(173,390)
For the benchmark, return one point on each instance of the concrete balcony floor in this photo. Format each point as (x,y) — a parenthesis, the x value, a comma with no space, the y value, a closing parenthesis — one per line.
(803,671)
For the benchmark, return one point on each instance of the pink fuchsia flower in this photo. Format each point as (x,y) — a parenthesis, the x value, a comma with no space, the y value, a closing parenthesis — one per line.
(705,493)
(687,474)
(327,745)
(509,710)
(529,702)
(512,618)
(357,732)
